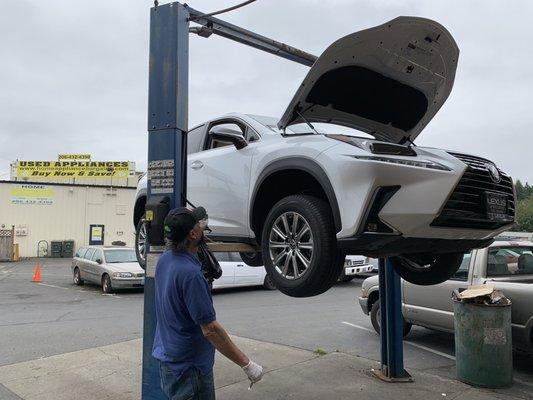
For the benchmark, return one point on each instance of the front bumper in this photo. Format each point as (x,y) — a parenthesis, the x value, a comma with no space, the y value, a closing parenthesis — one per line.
(363,302)
(355,270)
(127,283)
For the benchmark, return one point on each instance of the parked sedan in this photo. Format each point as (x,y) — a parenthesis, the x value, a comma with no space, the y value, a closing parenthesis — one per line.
(235,273)
(110,267)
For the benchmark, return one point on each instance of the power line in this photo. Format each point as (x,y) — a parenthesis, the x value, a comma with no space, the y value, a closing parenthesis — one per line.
(245,3)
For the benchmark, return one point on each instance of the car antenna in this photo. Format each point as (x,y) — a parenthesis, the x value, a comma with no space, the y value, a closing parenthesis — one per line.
(307,122)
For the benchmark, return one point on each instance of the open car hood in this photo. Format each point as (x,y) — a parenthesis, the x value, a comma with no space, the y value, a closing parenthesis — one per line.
(388,81)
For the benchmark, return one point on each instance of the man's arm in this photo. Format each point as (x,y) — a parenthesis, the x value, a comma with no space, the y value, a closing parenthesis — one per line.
(217,335)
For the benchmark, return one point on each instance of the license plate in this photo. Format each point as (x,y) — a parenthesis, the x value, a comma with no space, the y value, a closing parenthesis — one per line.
(496,206)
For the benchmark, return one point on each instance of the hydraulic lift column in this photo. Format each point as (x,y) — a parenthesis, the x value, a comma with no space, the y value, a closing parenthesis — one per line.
(167,151)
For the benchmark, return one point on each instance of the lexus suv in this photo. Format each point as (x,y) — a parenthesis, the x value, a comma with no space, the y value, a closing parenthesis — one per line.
(305,196)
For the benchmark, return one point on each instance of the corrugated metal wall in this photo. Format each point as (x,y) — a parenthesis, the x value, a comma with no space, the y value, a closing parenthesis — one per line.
(64,213)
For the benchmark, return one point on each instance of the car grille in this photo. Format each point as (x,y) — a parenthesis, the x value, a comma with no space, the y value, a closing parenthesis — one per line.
(466,207)
(355,263)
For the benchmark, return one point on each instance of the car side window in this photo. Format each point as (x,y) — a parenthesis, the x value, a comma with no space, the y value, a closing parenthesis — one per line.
(226,127)
(97,255)
(235,257)
(251,135)
(195,139)
(89,254)
(224,257)
(462,273)
(81,252)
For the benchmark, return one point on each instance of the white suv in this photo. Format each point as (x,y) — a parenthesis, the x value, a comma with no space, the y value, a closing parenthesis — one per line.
(307,198)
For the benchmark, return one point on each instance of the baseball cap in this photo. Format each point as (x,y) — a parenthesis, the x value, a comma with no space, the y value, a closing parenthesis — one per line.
(180,221)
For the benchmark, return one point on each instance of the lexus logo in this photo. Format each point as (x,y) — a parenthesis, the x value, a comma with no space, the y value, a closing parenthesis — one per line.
(494,173)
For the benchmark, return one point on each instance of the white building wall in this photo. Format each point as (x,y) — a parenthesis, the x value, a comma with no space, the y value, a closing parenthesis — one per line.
(66,213)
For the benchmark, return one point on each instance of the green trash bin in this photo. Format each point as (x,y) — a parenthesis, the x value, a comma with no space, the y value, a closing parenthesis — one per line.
(67,249)
(483,344)
(56,248)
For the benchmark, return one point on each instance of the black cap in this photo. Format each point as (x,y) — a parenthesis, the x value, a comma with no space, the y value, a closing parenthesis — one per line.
(180,221)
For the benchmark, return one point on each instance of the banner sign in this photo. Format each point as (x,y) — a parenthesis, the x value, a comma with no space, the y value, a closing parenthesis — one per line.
(73,169)
(32,194)
(73,157)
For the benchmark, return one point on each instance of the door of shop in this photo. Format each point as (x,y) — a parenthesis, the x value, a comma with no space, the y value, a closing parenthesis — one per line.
(6,244)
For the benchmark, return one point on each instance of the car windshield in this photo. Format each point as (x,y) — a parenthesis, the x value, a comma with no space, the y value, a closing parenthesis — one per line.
(120,256)
(304,129)
(510,260)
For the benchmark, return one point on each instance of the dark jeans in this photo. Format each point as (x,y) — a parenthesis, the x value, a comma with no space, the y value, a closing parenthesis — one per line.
(190,386)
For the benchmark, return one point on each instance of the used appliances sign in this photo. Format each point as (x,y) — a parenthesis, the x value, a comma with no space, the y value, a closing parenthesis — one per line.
(73,169)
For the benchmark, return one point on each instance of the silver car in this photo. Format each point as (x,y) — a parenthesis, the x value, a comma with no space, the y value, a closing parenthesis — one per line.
(508,265)
(110,267)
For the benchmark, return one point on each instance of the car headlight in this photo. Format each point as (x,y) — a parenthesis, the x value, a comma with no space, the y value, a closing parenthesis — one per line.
(122,274)
(411,163)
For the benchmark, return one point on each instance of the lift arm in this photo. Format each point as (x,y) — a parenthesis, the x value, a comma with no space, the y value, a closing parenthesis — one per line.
(214,25)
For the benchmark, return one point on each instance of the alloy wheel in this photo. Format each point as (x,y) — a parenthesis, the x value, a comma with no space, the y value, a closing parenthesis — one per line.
(291,245)
(141,241)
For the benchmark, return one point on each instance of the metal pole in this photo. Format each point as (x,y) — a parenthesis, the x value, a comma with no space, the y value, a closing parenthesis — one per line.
(167,148)
(391,325)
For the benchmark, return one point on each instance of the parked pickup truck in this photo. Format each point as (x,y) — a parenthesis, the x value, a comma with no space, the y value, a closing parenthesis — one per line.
(508,265)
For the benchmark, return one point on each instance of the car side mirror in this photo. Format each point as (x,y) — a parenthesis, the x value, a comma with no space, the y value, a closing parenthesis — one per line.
(99,261)
(229,135)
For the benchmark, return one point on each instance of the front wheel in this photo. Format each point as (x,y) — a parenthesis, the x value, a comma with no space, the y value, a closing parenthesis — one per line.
(375,318)
(140,243)
(106,285)
(268,284)
(427,269)
(299,246)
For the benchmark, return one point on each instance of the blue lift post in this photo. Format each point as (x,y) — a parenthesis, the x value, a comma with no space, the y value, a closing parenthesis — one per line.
(167,155)
(167,148)
(391,325)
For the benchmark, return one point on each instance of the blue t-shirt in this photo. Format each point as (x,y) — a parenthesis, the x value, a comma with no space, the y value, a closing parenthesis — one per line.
(182,303)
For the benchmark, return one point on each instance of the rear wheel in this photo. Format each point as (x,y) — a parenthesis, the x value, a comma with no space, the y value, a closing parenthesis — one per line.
(106,284)
(76,277)
(427,269)
(268,283)
(375,318)
(140,242)
(252,259)
(299,246)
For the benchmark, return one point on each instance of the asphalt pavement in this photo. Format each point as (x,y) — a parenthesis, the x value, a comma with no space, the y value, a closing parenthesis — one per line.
(56,317)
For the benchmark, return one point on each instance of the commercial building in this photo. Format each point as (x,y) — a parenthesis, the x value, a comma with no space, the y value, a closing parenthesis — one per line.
(84,201)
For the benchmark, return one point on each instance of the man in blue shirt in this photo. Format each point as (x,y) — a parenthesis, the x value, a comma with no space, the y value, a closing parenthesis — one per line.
(187,332)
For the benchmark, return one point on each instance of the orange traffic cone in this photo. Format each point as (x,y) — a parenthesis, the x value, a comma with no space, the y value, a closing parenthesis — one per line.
(37,273)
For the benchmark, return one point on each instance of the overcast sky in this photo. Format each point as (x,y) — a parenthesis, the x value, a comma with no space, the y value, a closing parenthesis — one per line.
(74,74)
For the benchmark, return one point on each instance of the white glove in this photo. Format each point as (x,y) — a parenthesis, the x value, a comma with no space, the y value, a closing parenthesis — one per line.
(253,371)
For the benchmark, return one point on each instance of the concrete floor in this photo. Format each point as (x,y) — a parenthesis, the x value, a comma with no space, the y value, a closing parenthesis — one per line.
(44,323)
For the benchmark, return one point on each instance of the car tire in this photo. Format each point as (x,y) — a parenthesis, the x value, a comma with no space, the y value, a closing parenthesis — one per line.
(311,261)
(427,269)
(76,277)
(107,288)
(375,318)
(140,242)
(268,283)
(346,278)
(252,259)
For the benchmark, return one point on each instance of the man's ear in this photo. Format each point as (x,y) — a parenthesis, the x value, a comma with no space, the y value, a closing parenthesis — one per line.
(192,235)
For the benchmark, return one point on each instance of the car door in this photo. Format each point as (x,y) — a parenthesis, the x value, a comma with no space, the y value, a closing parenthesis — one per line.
(244,274)
(78,259)
(94,268)
(219,178)
(228,271)
(85,264)
(432,306)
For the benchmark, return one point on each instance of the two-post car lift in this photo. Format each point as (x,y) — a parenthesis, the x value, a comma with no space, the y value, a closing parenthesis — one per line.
(167,161)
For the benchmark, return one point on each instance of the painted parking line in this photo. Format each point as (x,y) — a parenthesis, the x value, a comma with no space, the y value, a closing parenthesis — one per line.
(419,346)
(80,290)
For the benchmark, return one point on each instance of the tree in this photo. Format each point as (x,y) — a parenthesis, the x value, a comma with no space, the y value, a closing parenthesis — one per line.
(524,215)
